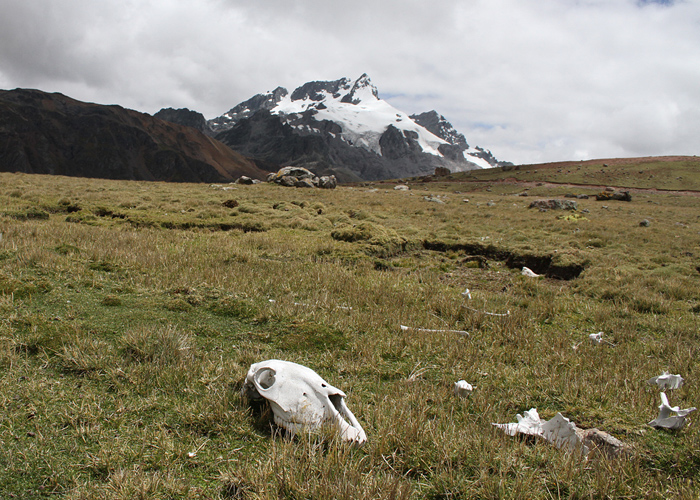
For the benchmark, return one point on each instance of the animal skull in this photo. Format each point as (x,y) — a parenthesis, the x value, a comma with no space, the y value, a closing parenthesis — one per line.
(300,399)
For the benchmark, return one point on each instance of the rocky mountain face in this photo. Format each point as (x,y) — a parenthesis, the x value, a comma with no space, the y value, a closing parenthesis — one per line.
(185,117)
(342,127)
(53,134)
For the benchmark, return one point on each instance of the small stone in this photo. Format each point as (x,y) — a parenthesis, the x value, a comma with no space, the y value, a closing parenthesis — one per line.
(645,223)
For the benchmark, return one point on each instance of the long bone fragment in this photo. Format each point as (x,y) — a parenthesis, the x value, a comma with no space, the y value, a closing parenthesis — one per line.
(507,313)
(405,328)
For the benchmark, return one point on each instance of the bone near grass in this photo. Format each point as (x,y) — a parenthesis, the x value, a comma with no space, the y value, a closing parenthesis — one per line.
(125,340)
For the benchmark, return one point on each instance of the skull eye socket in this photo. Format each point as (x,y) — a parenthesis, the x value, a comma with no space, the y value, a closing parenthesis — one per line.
(265,378)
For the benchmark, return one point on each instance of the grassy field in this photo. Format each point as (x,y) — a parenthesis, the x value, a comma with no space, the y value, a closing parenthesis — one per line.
(130,313)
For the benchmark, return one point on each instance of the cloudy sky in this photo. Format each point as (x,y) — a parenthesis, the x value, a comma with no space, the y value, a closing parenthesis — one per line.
(531,80)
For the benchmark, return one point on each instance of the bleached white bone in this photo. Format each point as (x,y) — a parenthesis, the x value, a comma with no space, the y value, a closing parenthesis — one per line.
(668,421)
(557,430)
(562,432)
(528,423)
(667,381)
(405,328)
(507,313)
(301,400)
(596,338)
(463,388)
(530,273)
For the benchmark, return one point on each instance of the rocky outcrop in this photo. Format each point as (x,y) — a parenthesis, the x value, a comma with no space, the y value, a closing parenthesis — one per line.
(457,143)
(395,145)
(554,204)
(185,117)
(438,125)
(53,134)
(265,101)
(301,177)
(614,196)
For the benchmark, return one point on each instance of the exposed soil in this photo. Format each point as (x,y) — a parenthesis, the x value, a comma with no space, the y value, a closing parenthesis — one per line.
(511,180)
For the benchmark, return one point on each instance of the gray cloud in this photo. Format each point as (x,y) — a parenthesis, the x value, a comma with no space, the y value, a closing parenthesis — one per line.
(531,80)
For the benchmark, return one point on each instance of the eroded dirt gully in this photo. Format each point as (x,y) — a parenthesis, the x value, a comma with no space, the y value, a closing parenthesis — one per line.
(518,182)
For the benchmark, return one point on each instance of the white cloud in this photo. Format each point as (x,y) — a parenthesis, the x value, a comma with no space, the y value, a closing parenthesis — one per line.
(532,80)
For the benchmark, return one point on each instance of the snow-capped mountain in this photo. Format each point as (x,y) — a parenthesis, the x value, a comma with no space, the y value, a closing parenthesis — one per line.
(344,127)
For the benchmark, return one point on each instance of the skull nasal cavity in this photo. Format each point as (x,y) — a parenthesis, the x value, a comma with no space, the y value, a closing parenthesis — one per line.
(266,378)
(336,399)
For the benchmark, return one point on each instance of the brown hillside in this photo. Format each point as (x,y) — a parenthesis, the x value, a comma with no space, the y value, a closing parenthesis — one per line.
(54,134)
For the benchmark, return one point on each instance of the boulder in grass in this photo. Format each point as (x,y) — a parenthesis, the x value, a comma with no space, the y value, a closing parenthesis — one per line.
(554,204)
(301,177)
(327,182)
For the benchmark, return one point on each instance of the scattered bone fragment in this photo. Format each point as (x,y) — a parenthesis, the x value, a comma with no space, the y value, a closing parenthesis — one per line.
(666,419)
(467,294)
(560,431)
(528,423)
(405,328)
(301,400)
(530,273)
(667,381)
(507,313)
(418,372)
(596,338)
(564,434)
(463,388)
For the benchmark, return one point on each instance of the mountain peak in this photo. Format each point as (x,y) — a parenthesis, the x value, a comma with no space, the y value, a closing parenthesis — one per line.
(438,125)
(361,90)
(346,121)
(319,90)
(267,101)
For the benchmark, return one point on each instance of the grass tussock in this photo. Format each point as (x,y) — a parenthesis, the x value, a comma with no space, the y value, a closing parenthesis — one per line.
(130,313)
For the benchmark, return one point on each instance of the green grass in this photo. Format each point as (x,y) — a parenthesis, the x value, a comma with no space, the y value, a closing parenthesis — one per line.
(130,313)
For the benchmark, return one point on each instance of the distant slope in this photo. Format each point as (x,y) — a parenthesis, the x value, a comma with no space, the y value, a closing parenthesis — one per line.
(672,173)
(54,134)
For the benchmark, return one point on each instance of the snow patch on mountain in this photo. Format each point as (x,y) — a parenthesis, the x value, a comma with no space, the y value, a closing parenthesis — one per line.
(359,111)
(471,156)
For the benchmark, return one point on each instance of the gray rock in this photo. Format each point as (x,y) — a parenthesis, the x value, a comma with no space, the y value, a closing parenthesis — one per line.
(298,172)
(327,182)
(601,443)
(245,180)
(287,181)
(645,223)
(554,204)
(614,195)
